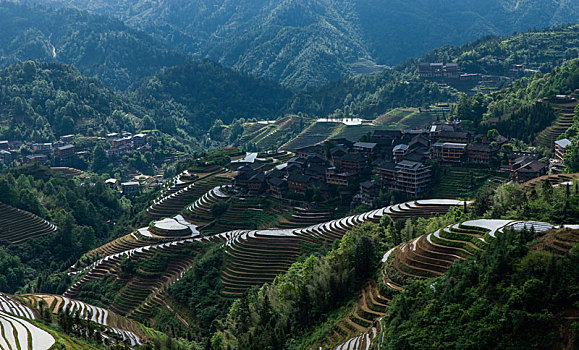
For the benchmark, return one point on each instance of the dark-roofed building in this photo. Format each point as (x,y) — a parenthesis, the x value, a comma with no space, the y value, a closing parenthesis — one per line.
(365,148)
(340,177)
(386,138)
(298,183)
(387,173)
(5,145)
(354,161)
(449,152)
(316,172)
(64,154)
(130,187)
(299,161)
(530,171)
(338,152)
(256,184)
(368,191)
(452,136)
(481,153)
(33,158)
(309,150)
(411,177)
(243,177)
(278,187)
(42,148)
(399,151)
(315,160)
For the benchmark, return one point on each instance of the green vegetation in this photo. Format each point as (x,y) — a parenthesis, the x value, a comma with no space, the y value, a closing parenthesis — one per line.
(510,297)
(189,96)
(84,215)
(516,111)
(44,101)
(277,315)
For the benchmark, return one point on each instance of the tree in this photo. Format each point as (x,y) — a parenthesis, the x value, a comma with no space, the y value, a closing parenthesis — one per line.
(100,160)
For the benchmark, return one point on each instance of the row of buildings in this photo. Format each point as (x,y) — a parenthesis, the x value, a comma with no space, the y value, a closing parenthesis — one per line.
(65,151)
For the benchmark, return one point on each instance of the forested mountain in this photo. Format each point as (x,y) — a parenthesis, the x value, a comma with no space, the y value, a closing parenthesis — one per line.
(97,45)
(42,101)
(309,43)
(195,95)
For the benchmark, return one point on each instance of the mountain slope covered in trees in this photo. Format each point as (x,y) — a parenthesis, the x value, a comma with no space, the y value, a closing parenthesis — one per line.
(97,45)
(42,101)
(195,95)
(303,44)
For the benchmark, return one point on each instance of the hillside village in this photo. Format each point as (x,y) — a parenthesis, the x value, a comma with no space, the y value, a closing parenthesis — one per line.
(398,161)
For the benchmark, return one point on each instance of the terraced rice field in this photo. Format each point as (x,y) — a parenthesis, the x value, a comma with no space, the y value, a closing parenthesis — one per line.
(183,192)
(253,256)
(427,256)
(16,331)
(256,257)
(456,182)
(408,118)
(68,172)
(128,331)
(316,133)
(18,225)
(301,217)
(565,112)
(273,135)
(554,180)
(142,290)
(199,213)
(245,213)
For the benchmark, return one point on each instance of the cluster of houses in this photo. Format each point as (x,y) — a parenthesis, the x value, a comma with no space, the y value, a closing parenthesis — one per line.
(65,151)
(393,160)
(61,152)
(125,142)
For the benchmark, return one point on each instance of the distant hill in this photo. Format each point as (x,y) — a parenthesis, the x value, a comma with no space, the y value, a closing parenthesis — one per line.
(304,44)
(97,45)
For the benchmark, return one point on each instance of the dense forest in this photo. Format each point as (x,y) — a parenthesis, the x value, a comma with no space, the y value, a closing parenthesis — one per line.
(513,296)
(193,96)
(43,101)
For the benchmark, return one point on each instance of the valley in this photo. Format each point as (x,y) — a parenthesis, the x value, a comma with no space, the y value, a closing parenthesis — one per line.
(227,175)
